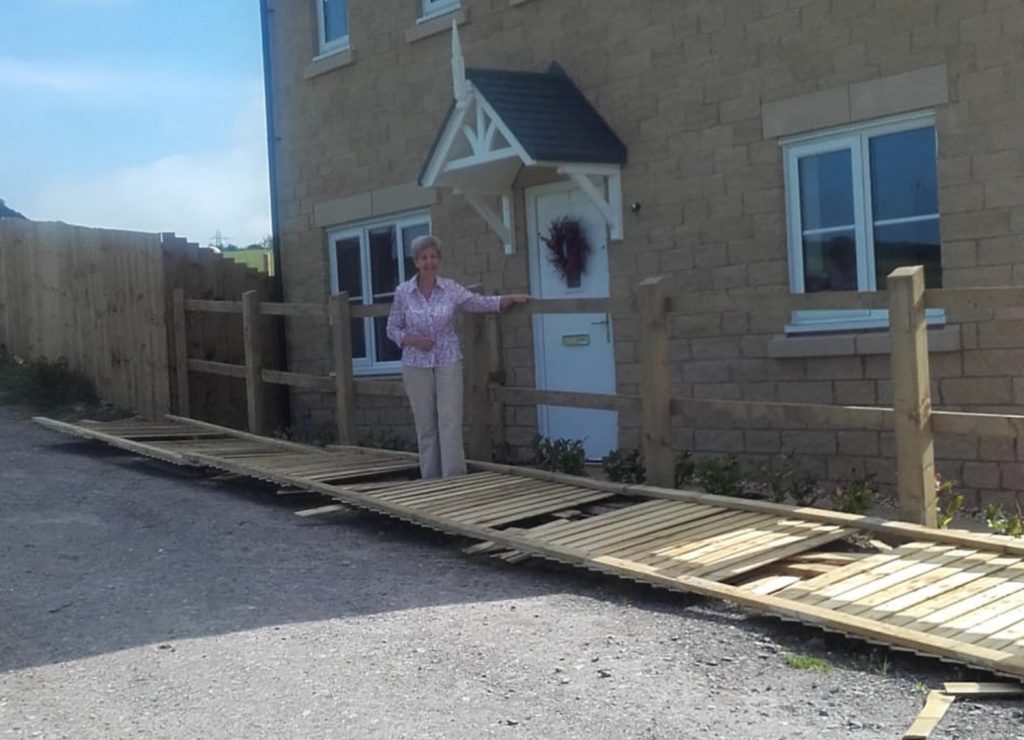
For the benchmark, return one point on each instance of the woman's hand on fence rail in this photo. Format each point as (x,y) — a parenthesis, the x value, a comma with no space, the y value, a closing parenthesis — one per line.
(513,299)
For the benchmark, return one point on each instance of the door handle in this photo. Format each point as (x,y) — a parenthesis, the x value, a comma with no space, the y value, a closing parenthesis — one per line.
(607,323)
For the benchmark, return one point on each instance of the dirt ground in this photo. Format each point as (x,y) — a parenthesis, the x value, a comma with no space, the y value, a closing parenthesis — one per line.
(139,600)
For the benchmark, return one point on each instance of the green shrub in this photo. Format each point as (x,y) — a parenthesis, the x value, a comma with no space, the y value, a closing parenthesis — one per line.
(42,383)
(624,467)
(857,496)
(559,455)
(1000,522)
(686,467)
(780,478)
(719,475)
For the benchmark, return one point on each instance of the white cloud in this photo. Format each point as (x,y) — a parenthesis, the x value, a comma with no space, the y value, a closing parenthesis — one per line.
(193,194)
(103,85)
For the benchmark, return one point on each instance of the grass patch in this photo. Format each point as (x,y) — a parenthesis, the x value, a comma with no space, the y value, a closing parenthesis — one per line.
(41,383)
(807,663)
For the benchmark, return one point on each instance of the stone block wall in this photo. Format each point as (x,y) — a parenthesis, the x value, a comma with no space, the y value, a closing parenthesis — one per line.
(701,92)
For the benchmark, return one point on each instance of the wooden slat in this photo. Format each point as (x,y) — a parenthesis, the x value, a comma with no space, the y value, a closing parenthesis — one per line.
(931,714)
(989,688)
(299,380)
(304,310)
(563,305)
(205,306)
(514,395)
(951,597)
(217,368)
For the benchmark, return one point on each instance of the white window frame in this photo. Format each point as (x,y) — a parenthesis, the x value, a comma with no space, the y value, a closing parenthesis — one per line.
(367,365)
(434,8)
(326,48)
(854,139)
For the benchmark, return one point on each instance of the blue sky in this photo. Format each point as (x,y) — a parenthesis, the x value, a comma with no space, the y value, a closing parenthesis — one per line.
(135,114)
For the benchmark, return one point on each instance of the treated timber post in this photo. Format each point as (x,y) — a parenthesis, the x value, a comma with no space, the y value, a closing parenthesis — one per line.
(912,402)
(254,388)
(656,393)
(341,339)
(181,352)
(479,371)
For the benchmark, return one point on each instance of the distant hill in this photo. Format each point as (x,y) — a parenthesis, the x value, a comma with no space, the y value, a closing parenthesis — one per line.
(6,212)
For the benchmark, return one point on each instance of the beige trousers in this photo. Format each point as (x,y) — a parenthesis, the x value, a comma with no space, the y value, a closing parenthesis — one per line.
(436,398)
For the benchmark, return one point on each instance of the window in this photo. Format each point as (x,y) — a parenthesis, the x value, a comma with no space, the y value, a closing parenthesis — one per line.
(431,8)
(369,261)
(861,202)
(332,22)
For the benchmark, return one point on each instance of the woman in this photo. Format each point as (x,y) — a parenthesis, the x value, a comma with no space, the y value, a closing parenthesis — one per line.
(421,323)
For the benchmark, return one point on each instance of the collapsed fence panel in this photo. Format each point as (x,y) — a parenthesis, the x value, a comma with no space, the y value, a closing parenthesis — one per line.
(951,594)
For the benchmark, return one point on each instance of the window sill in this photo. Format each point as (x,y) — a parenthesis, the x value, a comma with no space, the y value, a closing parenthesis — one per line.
(852,344)
(329,61)
(435,24)
(373,373)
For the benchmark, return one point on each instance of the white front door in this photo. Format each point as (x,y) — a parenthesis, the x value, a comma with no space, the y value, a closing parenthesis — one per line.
(574,352)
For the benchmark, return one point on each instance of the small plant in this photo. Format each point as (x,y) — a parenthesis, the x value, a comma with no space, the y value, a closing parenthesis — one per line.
(807,663)
(719,475)
(948,502)
(559,455)
(42,383)
(879,663)
(857,496)
(624,467)
(686,466)
(1011,525)
(804,491)
(777,475)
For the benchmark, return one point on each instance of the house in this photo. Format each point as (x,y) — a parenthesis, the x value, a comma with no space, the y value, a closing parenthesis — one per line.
(730,145)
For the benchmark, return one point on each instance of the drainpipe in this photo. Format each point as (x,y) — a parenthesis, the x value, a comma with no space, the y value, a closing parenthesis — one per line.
(277,285)
(268,91)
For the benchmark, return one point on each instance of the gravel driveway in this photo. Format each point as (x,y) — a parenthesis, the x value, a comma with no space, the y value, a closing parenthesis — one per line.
(142,601)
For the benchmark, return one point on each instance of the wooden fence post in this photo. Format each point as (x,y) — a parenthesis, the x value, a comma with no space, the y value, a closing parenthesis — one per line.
(656,393)
(341,338)
(912,402)
(254,388)
(478,361)
(181,352)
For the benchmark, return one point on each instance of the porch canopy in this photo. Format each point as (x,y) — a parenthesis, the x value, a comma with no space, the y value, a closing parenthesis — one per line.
(501,121)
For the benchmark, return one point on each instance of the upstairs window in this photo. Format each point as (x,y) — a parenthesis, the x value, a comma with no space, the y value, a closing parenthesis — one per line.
(431,8)
(861,202)
(369,261)
(332,25)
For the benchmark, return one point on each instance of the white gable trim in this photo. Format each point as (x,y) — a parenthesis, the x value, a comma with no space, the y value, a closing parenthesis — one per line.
(610,205)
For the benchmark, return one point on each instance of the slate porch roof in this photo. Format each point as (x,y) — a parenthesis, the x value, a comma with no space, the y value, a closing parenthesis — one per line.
(548,115)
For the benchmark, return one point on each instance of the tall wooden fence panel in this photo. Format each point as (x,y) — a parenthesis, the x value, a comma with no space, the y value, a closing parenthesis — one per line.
(103,299)
(92,296)
(217,337)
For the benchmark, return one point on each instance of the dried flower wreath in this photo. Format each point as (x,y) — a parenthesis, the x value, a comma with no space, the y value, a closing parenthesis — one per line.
(568,248)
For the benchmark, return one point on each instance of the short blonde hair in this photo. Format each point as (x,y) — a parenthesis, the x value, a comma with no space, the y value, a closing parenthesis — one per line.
(422,243)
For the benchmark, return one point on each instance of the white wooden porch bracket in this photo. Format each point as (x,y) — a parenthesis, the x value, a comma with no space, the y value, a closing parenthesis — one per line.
(501,224)
(610,207)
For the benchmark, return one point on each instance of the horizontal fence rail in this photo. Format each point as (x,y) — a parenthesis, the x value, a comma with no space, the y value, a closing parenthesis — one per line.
(911,416)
